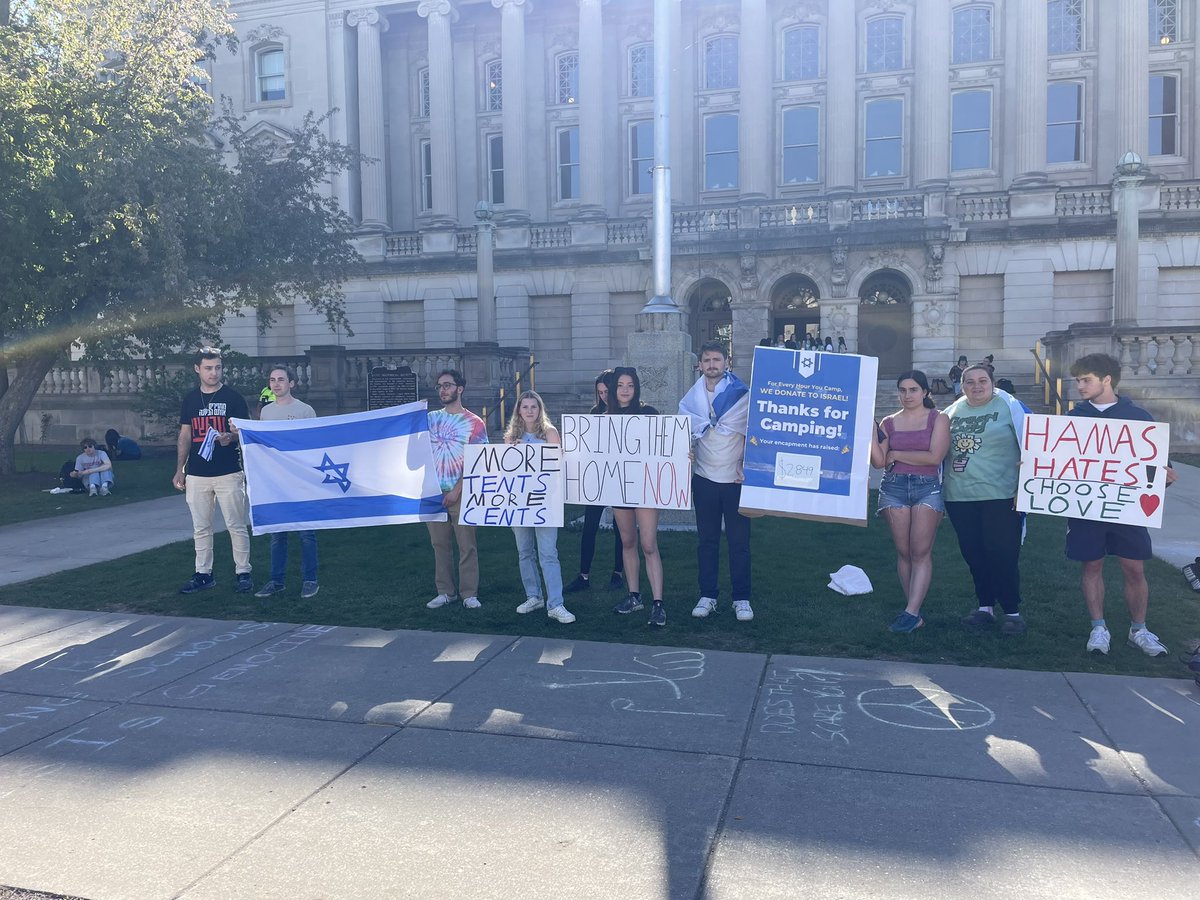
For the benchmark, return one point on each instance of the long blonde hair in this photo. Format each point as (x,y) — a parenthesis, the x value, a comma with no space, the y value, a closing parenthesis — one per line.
(516,425)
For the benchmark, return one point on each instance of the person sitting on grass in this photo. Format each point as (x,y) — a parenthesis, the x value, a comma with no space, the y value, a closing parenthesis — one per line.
(1088,541)
(94,469)
(120,447)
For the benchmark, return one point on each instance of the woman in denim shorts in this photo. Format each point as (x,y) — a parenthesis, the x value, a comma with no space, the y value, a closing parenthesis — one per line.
(909,445)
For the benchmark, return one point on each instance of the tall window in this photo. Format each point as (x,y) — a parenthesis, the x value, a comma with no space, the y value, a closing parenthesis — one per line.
(972,34)
(423,93)
(885,44)
(1164,115)
(801,53)
(721,152)
(566,77)
(1164,21)
(568,163)
(641,70)
(721,62)
(426,154)
(1064,122)
(801,136)
(884,153)
(641,157)
(1064,26)
(269,69)
(971,130)
(495,158)
(493,86)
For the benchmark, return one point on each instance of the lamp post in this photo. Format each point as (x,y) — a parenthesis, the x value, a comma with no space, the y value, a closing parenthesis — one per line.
(485,273)
(661,302)
(1129,175)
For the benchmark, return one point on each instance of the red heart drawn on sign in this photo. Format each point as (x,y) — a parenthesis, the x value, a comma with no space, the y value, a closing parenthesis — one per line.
(1149,503)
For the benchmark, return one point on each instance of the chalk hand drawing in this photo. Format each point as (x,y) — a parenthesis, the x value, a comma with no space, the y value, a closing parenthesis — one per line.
(675,666)
(910,707)
(624,704)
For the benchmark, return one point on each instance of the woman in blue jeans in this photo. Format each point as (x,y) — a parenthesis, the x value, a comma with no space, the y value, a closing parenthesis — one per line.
(537,545)
(909,445)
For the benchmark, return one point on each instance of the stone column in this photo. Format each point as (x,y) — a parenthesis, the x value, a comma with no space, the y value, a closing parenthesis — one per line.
(512,74)
(335,37)
(440,15)
(592,166)
(756,162)
(370,25)
(931,94)
(1133,67)
(1030,63)
(842,152)
(1131,172)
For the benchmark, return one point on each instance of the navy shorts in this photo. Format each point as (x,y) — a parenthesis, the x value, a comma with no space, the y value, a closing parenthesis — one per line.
(899,490)
(1088,540)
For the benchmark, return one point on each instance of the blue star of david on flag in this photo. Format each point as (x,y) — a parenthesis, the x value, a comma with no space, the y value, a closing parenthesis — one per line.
(329,467)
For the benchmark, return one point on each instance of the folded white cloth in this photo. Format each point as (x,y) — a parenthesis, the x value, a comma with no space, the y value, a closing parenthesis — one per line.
(850,580)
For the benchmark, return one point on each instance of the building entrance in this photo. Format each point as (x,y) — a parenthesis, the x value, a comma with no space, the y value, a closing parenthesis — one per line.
(885,322)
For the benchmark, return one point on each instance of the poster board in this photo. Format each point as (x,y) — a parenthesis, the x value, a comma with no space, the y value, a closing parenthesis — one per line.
(512,484)
(1107,470)
(808,442)
(627,461)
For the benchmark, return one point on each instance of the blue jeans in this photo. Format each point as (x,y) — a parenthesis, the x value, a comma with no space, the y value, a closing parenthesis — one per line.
(540,545)
(96,479)
(716,502)
(308,555)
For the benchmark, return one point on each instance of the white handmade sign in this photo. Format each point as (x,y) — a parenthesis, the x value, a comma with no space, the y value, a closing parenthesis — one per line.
(627,461)
(512,484)
(1109,470)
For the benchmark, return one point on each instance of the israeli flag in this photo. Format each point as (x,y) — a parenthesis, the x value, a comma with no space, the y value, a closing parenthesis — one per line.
(368,468)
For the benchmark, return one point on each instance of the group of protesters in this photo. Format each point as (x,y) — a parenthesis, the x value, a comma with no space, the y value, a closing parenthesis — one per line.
(963,461)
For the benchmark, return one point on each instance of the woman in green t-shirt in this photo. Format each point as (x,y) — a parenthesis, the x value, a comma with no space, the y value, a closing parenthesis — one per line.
(980,485)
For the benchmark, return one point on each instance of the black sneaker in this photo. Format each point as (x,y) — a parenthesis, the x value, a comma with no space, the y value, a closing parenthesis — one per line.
(1011,626)
(616,582)
(658,614)
(979,620)
(201,581)
(1193,665)
(245,584)
(1191,573)
(579,584)
(631,604)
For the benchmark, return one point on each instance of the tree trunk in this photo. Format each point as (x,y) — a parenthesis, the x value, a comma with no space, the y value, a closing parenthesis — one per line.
(31,372)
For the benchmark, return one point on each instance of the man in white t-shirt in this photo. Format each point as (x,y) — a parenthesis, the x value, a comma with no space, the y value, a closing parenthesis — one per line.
(281,382)
(718,407)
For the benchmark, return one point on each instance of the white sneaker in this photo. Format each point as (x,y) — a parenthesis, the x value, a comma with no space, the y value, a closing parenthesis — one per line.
(1098,640)
(104,491)
(530,605)
(704,606)
(560,614)
(439,600)
(1147,642)
(92,490)
(471,602)
(741,609)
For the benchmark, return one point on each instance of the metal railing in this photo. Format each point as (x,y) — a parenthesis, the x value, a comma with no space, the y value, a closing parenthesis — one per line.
(501,398)
(1052,386)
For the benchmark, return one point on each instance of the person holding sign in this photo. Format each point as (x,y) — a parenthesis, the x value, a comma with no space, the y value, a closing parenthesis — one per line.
(538,544)
(718,407)
(451,428)
(980,485)
(1089,541)
(909,446)
(593,514)
(637,524)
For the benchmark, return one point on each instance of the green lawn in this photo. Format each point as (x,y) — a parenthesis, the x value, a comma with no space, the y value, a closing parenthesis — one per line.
(382,577)
(25,493)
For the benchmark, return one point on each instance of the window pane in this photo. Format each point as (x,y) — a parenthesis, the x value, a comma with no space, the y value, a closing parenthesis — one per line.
(800,138)
(884,118)
(496,168)
(494,86)
(801,48)
(971,124)
(1062,103)
(1064,26)
(1164,120)
(799,165)
(271,83)
(720,153)
(1162,95)
(721,62)
(641,70)
(423,102)
(568,164)
(567,72)
(972,34)
(270,62)
(641,157)
(720,133)
(1062,143)
(971,110)
(885,44)
(426,175)
(800,126)
(884,150)
(1164,21)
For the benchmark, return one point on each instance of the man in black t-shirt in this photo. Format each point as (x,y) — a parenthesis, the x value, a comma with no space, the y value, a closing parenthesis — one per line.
(210,471)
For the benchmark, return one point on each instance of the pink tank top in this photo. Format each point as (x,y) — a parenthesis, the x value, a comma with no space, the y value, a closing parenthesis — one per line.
(912,440)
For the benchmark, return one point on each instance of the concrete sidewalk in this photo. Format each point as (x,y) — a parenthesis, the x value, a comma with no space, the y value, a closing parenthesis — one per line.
(151,757)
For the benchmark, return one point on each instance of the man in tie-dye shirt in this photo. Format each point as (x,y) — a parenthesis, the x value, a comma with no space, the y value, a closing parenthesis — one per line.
(451,428)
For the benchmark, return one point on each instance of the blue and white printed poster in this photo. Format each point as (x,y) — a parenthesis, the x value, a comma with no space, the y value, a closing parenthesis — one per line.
(808,445)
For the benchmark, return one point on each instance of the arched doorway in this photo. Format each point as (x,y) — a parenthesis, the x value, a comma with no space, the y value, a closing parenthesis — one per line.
(794,309)
(711,317)
(885,321)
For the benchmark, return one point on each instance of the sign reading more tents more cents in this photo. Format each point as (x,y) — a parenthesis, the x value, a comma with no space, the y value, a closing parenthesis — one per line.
(628,461)
(1109,470)
(512,484)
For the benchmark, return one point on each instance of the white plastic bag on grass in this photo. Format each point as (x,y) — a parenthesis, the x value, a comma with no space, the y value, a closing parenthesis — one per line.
(850,580)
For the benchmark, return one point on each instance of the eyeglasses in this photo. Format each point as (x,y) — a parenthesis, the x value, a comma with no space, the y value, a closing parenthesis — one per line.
(446,385)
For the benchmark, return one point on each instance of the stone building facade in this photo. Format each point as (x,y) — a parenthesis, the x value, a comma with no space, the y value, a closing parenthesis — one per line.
(922,178)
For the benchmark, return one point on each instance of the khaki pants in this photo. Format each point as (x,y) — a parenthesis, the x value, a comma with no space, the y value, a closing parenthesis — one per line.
(443,555)
(202,495)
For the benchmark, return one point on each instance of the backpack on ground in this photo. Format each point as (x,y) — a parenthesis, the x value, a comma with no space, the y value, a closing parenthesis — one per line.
(65,479)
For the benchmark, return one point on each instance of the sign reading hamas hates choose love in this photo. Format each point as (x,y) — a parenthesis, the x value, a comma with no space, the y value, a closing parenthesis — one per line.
(808,444)
(1109,470)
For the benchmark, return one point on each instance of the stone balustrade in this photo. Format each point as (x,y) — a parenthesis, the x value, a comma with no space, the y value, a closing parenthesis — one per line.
(1157,352)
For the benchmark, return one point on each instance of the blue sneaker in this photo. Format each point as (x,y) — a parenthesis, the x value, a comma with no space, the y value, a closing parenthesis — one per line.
(905,623)
(631,604)
(201,581)
(244,584)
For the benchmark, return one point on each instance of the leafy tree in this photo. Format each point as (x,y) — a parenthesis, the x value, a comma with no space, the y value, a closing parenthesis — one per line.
(133,217)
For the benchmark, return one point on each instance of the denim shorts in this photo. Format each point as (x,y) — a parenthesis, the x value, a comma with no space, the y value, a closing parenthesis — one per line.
(899,490)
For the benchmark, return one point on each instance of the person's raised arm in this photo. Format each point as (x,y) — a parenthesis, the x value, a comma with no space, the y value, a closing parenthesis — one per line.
(879,446)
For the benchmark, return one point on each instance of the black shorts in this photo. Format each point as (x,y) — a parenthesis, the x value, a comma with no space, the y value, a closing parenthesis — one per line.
(1088,540)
